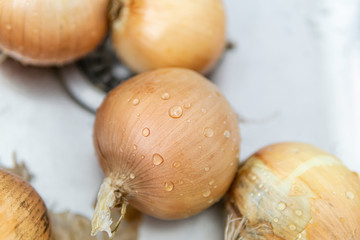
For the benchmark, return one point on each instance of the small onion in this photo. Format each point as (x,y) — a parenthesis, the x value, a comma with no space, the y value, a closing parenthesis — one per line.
(150,34)
(168,143)
(294,191)
(45,32)
(23,214)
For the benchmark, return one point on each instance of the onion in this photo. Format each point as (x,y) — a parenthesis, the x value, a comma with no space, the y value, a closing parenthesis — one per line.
(44,32)
(168,143)
(150,34)
(294,191)
(23,214)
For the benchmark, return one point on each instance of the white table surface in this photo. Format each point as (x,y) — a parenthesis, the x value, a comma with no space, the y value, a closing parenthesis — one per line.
(293,76)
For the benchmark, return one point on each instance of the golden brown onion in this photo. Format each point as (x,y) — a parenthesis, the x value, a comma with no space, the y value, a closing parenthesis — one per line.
(23,214)
(45,32)
(152,34)
(292,191)
(168,143)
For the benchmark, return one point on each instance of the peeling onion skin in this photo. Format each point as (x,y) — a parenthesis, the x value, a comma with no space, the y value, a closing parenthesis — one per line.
(168,140)
(46,32)
(170,33)
(294,191)
(23,214)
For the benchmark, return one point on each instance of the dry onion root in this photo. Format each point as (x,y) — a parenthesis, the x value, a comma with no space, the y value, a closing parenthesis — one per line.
(149,34)
(168,143)
(294,191)
(45,32)
(23,214)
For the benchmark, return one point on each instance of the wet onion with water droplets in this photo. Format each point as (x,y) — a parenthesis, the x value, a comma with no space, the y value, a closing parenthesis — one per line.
(299,202)
(175,179)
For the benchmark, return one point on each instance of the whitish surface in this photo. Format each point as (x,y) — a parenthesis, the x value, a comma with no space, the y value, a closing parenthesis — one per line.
(293,76)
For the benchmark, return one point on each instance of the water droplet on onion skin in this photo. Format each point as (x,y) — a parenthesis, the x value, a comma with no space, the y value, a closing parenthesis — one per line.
(157,159)
(208,132)
(206,193)
(169,186)
(281,206)
(226,133)
(175,112)
(176,164)
(187,105)
(292,227)
(165,96)
(146,132)
(135,101)
(132,176)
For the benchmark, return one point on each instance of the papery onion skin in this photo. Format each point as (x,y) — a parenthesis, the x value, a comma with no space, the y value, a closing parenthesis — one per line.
(294,191)
(183,163)
(45,32)
(170,33)
(23,214)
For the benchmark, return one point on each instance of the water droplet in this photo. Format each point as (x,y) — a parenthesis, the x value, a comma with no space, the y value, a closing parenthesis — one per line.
(135,101)
(350,195)
(231,164)
(261,185)
(206,193)
(169,186)
(187,105)
(181,182)
(207,169)
(135,146)
(165,96)
(188,120)
(175,112)
(121,149)
(276,220)
(208,132)
(203,110)
(157,159)
(211,200)
(176,164)
(123,176)
(146,132)
(211,182)
(298,212)
(292,227)
(133,154)
(132,176)
(142,156)
(281,206)
(253,178)
(227,134)
(138,114)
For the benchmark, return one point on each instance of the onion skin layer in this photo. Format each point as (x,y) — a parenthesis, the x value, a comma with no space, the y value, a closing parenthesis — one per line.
(294,191)
(170,33)
(23,214)
(46,32)
(194,170)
